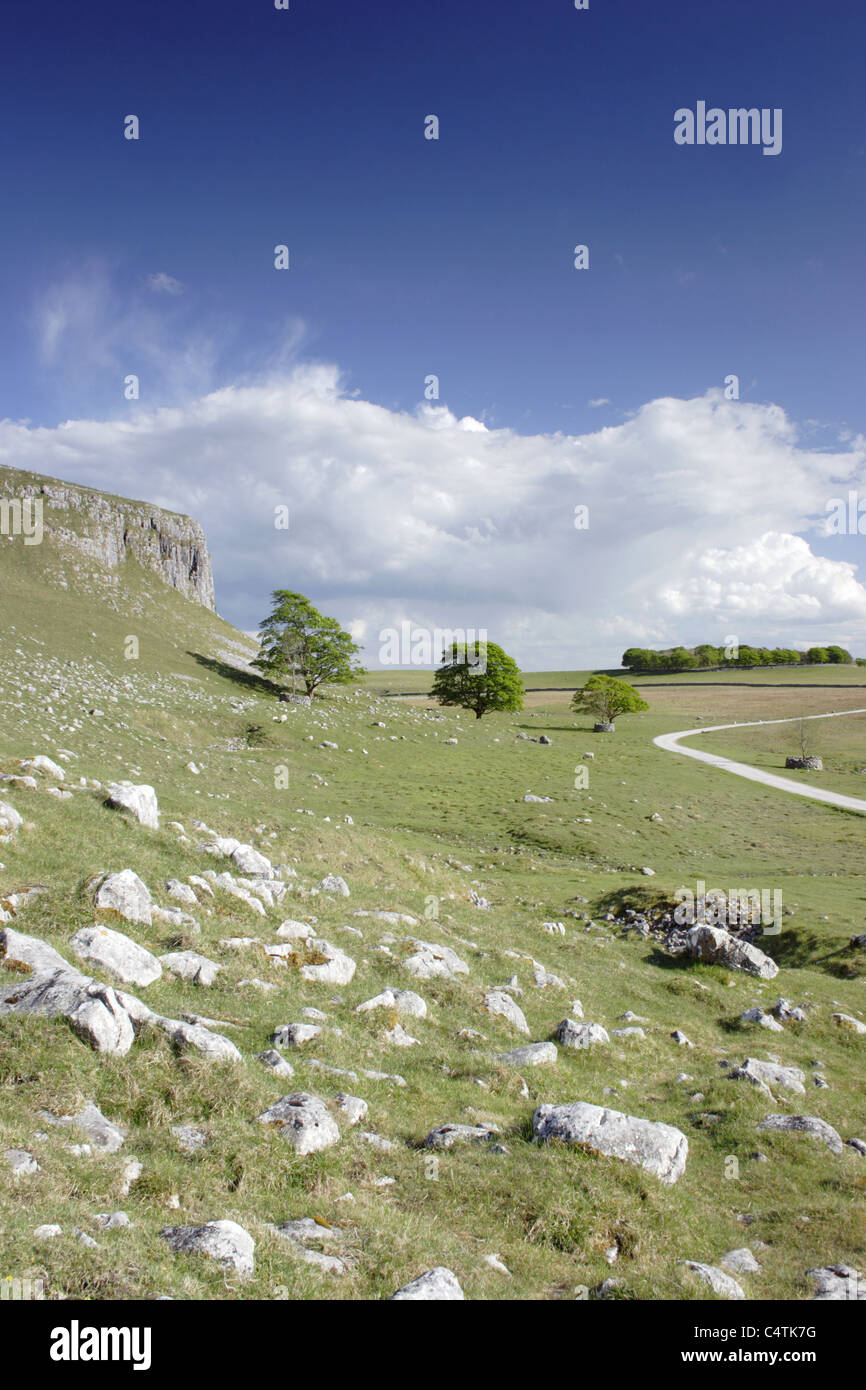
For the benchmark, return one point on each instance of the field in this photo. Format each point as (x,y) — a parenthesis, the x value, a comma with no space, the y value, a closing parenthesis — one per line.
(430,822)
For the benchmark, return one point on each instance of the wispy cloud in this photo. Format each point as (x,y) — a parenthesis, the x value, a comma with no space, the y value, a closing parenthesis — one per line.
(161,283)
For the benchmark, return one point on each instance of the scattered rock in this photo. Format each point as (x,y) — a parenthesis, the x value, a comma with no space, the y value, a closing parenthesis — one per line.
(353,1107)
(581,1035)
(124,895)
(838,1284)
(853,1025)
(189,965)
(333,883)
(715,946)
(446,1136)
(532,1055)
(303,1121)
(21,1163)
(808,1124)
(497,1002)
(720,1283)
(277,1064)
(658,1148)
(429,962)
(224,1241)
(140,801)
(117,954)
(767,1074)
(439,1284)
(740,1261)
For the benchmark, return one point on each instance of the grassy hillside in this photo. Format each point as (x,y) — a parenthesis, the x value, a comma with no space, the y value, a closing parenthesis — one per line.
(431,821)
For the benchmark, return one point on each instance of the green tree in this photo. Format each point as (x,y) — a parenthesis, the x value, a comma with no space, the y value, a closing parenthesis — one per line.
(839,656)
(636,658)
(296,640)
(816,656)
(606,697)
(707,655)
(480,677)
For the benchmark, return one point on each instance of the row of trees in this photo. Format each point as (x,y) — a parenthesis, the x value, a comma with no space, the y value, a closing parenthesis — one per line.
(298,644)
(706,656)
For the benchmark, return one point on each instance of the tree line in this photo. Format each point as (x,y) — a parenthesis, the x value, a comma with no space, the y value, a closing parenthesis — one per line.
(706,657)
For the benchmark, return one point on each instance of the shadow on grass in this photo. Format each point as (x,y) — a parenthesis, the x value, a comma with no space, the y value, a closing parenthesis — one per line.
(247,679)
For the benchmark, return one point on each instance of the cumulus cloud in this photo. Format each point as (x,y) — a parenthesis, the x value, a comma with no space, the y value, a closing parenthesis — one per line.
(700,513)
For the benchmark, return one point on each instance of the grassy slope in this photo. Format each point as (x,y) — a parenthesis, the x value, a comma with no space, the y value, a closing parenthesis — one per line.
(430,820)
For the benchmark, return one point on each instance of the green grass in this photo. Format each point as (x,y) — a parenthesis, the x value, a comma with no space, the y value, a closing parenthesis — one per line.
(431,820)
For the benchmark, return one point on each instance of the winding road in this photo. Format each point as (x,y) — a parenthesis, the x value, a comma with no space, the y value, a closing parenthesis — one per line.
(671,742)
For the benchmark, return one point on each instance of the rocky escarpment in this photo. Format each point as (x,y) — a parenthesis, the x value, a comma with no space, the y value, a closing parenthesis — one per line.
(112,529)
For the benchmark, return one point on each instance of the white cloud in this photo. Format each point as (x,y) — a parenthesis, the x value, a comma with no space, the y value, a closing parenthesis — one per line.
(599,400)
(700,515)
(161,283)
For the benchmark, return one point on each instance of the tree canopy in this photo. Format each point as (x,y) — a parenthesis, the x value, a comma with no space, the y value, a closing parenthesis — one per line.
(706,656)
(480,677)
(607,697)
(296,641)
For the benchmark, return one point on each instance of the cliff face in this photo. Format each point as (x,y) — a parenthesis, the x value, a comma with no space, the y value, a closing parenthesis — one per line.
(112,529)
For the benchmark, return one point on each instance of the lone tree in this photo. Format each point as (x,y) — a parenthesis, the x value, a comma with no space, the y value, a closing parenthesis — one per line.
(297,640)
(478,676)
(606,697)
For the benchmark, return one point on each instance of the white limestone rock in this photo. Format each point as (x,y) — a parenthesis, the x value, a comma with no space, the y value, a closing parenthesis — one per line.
(117,954)
(140,801)
(658,1148)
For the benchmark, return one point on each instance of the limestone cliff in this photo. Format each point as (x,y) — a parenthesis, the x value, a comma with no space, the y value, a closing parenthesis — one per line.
(111,529)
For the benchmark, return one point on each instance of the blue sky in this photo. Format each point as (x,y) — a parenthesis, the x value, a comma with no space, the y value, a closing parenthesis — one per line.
(453,257)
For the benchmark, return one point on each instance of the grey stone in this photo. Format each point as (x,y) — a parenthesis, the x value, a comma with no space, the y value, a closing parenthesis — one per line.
(499,1003)
(303,1121)
(720,1283)
(353,1107)
(430,962)
(224,1241)
(213,1046)
(767,1074)
(740,1261)
(189,965)
(124,895)
(715,946)
(333,883)
(531,1055)
(446,1136)
(117,954)
(658,1148)
(402,1001)
(439,1284)
(140,801)
(576,1035)
(277,1064)
(838,1284)
(94,1010)
(189,1138)
(336,969)
(807,1124)
(295,1034)
(105,1136)
(21,1163)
